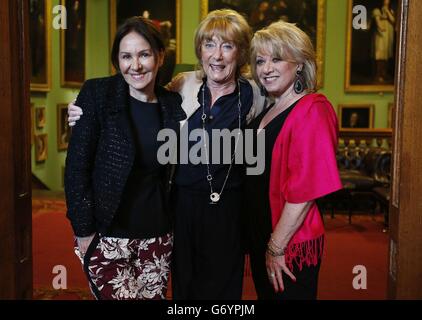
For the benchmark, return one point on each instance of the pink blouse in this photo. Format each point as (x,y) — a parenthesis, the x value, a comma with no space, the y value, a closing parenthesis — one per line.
(304,168)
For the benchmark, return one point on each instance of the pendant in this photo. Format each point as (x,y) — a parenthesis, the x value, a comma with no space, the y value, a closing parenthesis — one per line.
(214,197)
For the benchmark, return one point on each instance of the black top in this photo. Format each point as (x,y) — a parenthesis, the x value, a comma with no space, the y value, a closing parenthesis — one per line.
(101,152)
(256,199)
(223,115)
(141,213)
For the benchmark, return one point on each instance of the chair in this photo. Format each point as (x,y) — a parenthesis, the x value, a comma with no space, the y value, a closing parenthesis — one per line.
(383,177)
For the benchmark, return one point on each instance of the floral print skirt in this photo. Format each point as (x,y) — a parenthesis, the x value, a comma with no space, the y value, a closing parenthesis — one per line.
(128,269)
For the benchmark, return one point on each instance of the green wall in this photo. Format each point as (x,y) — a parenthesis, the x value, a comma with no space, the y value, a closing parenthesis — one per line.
(97,65)
(335,62)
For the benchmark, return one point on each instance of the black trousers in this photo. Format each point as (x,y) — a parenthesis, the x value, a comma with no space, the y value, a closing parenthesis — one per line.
(305,287)
(208,259)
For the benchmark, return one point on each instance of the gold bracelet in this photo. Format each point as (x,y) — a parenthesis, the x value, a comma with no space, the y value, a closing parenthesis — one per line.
(275,244)
(275,253)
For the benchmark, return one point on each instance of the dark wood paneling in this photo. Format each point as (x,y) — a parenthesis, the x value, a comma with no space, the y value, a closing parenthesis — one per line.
(406,212)
(7,286)
(15,187)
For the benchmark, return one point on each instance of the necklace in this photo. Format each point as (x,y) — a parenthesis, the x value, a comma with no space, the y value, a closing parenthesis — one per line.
(216,196)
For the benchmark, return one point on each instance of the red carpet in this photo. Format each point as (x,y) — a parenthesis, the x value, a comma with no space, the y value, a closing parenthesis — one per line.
(362,243)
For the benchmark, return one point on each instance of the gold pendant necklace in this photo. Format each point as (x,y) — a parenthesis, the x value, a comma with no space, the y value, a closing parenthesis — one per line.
(215,196)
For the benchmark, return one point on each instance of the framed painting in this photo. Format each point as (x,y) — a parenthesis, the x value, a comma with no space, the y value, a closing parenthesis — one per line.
(309,15)
(41,147)
(63,129)
(73,44)
(166,16)
(356,116)
(40,44)
(40,117)
(371,46)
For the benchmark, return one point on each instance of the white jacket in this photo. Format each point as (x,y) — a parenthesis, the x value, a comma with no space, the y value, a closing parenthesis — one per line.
(188,84)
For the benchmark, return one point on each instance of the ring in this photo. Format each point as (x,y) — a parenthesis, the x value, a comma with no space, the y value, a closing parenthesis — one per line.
(272,275)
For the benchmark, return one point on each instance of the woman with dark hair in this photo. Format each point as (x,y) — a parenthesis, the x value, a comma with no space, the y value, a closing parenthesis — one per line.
(208,256)
(115,187)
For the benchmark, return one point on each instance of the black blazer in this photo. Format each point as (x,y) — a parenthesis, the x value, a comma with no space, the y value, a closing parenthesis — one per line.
(101,151)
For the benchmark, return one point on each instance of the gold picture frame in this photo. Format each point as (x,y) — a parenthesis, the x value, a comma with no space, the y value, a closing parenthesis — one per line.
(64,131)
(356,117)
(40,45)
(73,45)
(41,147)
(370,59)
(163,10)
(40,117)
(316,33)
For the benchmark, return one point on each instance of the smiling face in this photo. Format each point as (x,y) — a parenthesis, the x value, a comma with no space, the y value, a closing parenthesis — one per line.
(138,64)
(219,60)
(276,75)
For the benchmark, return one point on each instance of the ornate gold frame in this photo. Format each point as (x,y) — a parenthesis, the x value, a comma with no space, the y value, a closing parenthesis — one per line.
(44,87)
(60,130)
(63,82)
(40,157)
(113,27)
(320,45)
(348,87)
(369,106)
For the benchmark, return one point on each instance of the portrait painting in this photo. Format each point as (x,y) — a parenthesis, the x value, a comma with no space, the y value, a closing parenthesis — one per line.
(41,147)
(356,116)
(73,44)
(63,129)
(371,51)
(40,117)
(40,44)
(165,14)
(309,15)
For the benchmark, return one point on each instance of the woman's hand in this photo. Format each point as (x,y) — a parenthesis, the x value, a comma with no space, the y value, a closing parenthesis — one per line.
(74,113)
(84,242)
(276,265)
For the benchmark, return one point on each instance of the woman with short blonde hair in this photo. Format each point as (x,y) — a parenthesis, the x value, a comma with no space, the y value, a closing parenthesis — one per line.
(286,233)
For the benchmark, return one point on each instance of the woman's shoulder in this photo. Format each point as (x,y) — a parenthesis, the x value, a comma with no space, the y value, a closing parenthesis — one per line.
(103,80)
(103,83)
(164,93)
(376,12)
(171,102)
(313,105)
(184,81)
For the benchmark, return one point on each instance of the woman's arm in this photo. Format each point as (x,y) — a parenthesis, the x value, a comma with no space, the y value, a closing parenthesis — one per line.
(291,219)
(79,166)
(74,112)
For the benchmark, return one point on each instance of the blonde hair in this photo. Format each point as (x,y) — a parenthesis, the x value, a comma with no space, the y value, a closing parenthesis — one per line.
(228,25)
(287,42)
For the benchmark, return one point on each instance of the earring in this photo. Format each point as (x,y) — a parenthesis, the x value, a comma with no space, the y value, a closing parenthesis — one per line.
(299,85)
